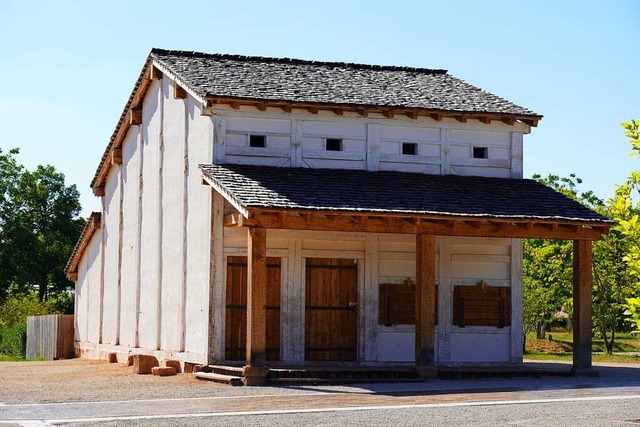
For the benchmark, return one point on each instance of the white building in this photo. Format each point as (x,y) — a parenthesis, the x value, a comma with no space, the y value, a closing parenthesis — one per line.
(349,201)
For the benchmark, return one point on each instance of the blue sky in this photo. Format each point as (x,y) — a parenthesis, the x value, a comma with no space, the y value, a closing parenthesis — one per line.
(68,67)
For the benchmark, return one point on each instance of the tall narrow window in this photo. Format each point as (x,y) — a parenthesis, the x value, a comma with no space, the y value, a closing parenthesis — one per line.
(333,144)
(480,153)
(409,148)
(257,141)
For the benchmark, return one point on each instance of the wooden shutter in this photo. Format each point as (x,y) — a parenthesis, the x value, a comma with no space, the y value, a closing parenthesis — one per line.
(481,306)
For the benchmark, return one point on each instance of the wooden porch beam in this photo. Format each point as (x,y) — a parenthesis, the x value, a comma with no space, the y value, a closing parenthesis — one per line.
(254,372)
(582,264)
(328,221)
(425,304)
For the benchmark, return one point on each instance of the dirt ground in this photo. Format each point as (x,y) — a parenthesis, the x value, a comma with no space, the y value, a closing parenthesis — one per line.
(81,380)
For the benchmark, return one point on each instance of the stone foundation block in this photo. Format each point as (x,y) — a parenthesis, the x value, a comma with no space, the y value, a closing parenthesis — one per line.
(175,364)
(112,358)
(142,363)
(163,371)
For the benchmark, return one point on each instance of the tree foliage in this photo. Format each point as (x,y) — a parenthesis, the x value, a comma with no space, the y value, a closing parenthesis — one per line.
(626,213)
(39,225)
(548,271)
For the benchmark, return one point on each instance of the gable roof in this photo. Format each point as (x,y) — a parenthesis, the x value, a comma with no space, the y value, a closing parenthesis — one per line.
(337,83)
(343,190)
(213,78)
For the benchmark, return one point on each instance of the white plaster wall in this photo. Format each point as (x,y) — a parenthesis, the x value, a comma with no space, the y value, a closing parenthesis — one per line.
(464,262)
(82,301)
(298,139)
(92,260)
(198,230)
(131,158)
(151,216)
(111,246)
(173,175)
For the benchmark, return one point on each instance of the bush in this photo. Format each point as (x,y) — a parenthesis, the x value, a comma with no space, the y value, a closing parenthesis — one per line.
(13,339)
(17,308)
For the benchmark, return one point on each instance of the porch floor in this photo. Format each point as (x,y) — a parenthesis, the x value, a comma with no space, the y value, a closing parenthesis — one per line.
(323,374)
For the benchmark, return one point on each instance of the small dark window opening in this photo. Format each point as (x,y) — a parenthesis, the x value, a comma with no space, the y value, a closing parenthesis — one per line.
(334,144)
(480,153)
(257,141)
(409,148)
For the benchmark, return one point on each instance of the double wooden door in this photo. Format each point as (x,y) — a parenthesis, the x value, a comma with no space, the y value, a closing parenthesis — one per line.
(331,313)
(236,308)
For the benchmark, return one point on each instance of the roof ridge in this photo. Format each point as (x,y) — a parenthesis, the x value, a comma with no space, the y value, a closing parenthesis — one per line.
(295,61)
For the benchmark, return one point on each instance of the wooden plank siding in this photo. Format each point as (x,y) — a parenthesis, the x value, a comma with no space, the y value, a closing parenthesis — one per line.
(236,308)
(50,337)
(331,315)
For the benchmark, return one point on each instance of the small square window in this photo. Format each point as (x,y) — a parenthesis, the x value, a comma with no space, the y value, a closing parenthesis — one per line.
(334,144)
(257,141)
(409,148)
(480,153)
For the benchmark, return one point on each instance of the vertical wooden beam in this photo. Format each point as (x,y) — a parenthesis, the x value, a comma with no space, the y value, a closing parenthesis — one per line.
(582,309)
(425,304)
(254,372)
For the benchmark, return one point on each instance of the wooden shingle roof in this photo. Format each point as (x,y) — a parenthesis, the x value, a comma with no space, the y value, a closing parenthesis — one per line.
(337,83)
(390,192)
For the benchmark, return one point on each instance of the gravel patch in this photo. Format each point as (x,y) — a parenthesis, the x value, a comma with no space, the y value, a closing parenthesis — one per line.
(82,380)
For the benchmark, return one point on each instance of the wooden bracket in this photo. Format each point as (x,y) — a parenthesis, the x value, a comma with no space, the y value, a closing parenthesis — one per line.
(261,106)
(234,105)
(509,120)
(485,119)
(363,112)
(116,156)
(412,115)
(286,108)
(135,116)
(178,91)
(312,110)
(98,191)
(338,111)
(155,73)
(461,118)
(388,114)
(436,116)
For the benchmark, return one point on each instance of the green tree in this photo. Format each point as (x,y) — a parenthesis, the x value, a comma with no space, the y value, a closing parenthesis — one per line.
(39,226)
(548,272)
(625,213)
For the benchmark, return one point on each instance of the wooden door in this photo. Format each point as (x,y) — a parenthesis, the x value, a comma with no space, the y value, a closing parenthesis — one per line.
(331,310)
(236,308)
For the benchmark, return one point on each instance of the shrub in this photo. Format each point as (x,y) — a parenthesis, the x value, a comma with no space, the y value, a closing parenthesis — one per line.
(17,308)
(13,339)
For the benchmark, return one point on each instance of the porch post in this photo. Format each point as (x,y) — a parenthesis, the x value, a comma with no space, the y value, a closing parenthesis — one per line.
(582,309)
(254,373)
(425,304)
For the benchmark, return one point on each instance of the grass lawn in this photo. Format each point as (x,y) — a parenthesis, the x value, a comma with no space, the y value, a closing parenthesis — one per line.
(559,347)
(4,358)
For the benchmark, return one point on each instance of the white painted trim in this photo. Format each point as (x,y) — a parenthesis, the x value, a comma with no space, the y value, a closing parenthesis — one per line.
(370,299)
(228,196)
(481,258)
(516,300)
(321,253)
(333,155)
(405,158)
(180,82)
(243,252)
(233,150)
(217,287)
(219,137)
(517,155)
(373,146)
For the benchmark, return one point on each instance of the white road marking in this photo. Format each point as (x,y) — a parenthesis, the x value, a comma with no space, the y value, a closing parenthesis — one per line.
(34,423)
(339,409)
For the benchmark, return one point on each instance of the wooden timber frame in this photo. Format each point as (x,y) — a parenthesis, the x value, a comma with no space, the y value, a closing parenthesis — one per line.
(425,228)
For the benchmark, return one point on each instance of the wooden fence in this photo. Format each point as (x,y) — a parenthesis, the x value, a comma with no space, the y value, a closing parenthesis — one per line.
(50,337)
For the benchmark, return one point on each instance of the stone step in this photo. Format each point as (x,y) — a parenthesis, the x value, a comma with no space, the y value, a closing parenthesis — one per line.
(219,378)
(226,370)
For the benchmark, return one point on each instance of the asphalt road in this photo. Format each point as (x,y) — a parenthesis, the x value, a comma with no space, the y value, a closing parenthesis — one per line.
(612,399)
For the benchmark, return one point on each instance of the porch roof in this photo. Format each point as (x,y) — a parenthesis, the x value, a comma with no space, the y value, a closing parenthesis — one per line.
(259,189)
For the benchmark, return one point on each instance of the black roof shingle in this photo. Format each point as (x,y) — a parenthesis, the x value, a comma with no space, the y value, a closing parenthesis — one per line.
(395,192)
(295,80)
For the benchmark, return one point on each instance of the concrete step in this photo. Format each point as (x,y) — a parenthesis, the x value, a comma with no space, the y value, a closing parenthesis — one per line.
(219,378)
